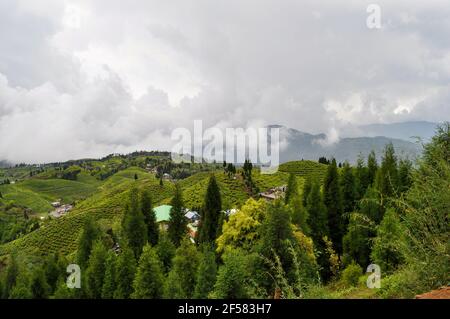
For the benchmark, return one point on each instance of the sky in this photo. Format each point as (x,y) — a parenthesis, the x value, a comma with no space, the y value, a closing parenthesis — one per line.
(87,78)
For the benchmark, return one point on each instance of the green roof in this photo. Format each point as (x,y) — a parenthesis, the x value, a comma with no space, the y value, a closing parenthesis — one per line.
(162,213)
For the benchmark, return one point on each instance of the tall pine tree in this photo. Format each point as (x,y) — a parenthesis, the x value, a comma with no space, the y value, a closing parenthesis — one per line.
(372,168)
(149,218)
(332,198)
(148,283)
(177,223)
(133,225)
(387,176)
(125,272)
(210,213)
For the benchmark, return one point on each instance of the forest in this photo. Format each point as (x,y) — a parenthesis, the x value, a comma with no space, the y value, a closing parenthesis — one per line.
(315,241)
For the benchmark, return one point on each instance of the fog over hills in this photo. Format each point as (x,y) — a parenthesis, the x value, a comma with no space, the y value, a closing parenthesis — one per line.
(301,145)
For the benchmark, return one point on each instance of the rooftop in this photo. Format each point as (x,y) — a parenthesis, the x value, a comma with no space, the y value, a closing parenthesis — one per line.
(162,213)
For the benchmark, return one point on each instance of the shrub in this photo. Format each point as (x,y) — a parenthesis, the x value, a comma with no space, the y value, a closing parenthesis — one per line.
(351,274)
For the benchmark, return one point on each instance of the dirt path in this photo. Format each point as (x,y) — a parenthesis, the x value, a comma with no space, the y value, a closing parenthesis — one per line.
(441,293)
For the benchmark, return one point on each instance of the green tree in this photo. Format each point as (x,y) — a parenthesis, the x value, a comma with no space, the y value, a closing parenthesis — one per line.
(133,224)
(11,274)
(109,281)
(299,215)
(52,271)
(148,283)
(318,222)
(38,284)
(95,272)
(210,213)
(184,268)
(318,219)
(276,230)
(370,205)
(291,189)
(361,178)
(404,175)
(89,235)
(348,189)
(177,223)
(387,245)
(125,272)
(149,218)
(166,251)
(356,242)
(372,168)
(387,175)
(206,274)
(306,190)
(232,277)
(332,199)
(242,228)
(22,288)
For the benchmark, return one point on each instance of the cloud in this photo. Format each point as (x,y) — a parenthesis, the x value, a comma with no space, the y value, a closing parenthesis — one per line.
(87,78)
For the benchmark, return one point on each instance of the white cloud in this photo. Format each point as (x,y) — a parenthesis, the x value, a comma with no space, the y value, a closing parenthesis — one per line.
(85,78)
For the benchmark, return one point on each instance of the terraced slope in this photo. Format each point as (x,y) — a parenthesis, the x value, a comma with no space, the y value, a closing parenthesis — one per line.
(37,194)
(104,206)
(107,202)
(305,169)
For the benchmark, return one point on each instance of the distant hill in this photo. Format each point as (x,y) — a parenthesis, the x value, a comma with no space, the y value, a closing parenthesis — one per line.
(4,164)
(408,131)
(301,145)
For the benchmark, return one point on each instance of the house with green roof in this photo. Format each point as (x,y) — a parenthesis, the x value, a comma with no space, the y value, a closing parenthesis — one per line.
(162,215)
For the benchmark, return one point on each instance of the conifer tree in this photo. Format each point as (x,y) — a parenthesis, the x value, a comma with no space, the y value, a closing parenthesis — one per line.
(133,224)
(38,284)
(148,283)
(291,189)
(184,268)
(210,213)
(299,215)
(177,223)
(165,250)
(348,189)
(404,175)
(206,274)
(387,176)
(232,277)
(361,178)
(125,272)
(94,276)
(149,218)
(372,168)
(306,189)
(387,244)
(109,281)
(332,198)
(52,271)
(88,236)
(11,274)
(318,219)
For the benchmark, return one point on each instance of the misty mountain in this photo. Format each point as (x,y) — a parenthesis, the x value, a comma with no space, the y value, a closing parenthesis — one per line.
(408,131)
(301,145)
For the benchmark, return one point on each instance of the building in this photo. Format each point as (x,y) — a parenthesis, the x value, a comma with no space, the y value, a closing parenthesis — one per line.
(274,193)
(193,216)
(162,215)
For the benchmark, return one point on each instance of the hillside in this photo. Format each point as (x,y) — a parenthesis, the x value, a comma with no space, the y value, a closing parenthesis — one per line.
(106,202)
(301,145)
